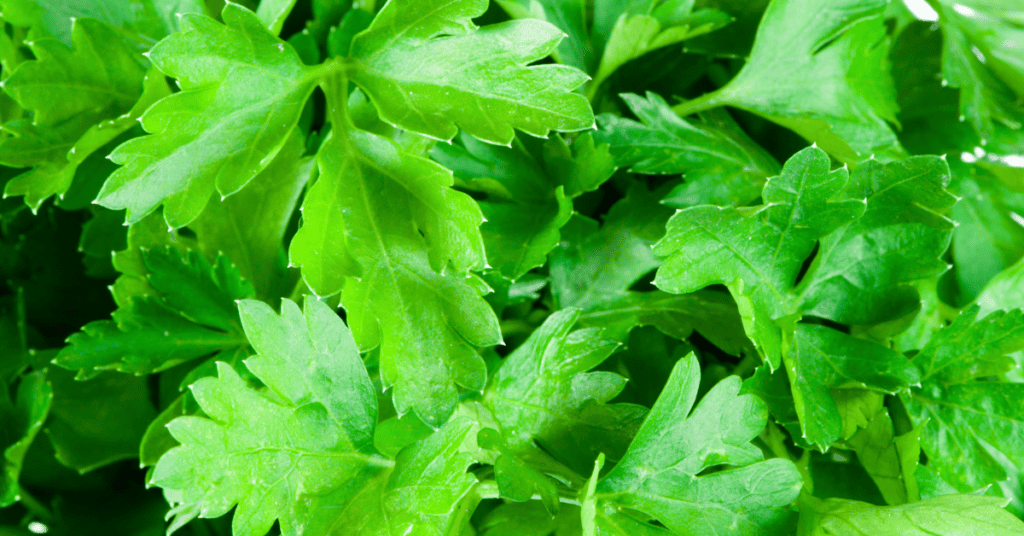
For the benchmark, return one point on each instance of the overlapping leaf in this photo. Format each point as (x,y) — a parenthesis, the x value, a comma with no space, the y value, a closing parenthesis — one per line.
(525,205)
(759,252)
(973,426)
(981,57)
(302,452)
(660,475)
(637,34)
(950,515)
(595,267)
(430,70)
(81,99)
(249,226)
(388,223)
(820,68)
(243,90)
(141,22)
(721,164)
(192,315)
(543,392)
(22,419)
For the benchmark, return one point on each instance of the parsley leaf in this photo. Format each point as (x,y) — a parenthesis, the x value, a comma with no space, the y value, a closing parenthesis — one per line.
(302,451)
(434,85)
(950,515)
(191,315)
(242,92)
(819,69)
(660,475)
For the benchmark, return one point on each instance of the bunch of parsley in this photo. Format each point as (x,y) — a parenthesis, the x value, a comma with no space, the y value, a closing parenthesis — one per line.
(521,268)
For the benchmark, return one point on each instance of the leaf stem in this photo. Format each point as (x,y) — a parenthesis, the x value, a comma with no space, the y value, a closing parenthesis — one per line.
(488,489)
(704,102)
(35,507)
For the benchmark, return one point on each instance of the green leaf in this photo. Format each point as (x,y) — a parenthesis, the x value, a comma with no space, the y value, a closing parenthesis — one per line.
(99,74)
(820,68)
(870,252)
(421,64)
(950,515)
(822,359)
(762,248)
(530,519)
(1005,292)
(192,314)
(22,421)
(720,163)
(517,481)
(594,268)
(971,429)
(147,234)
(543,393)
(854,280)
(986,344)
(249,227)
(274,12)
(636,35)
(242,92)
(141,22)
(97,422)
(660,475)
(884,456)
(987,238)
(302,452)
(980,58)
(570,16)
(82,99)
(384,224)
(524,206)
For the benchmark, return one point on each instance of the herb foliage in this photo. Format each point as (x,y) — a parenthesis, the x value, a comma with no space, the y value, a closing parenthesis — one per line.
(545,267)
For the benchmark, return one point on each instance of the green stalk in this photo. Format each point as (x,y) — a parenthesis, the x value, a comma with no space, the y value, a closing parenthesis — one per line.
(702,103)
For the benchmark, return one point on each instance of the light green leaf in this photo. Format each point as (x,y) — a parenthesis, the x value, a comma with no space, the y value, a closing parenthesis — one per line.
(594,268)
(821,359)
(971,430)
(971,348)
(762,248)
(249,226)
(78,109)
(855,279)
(636,35)
(872,247)
(302,452)
(141,22)
(22,421)
(530,519)
(820,68)
(242,92)
(949,515)
(981,57)
(721,164)
(384,224)
(987,239)
(543,393)
(1005,292)
(98,75)
(191,315)
(658,476)
(274,12)
(570,16)
(420,62)
(882,454)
